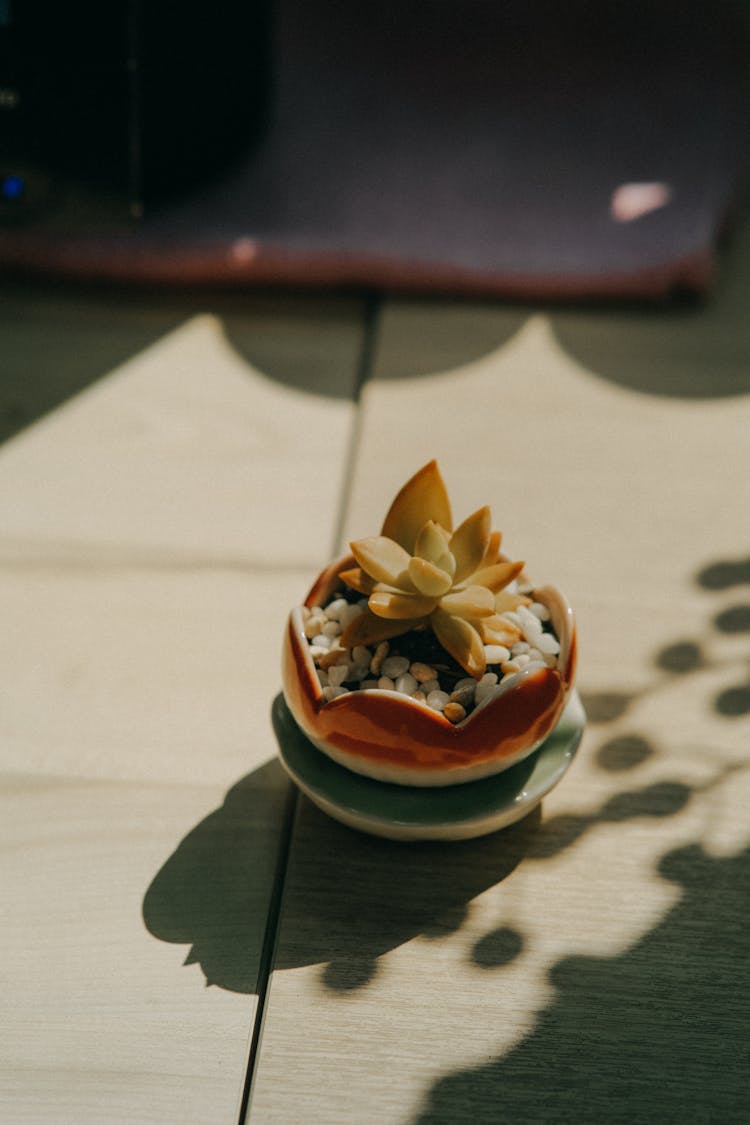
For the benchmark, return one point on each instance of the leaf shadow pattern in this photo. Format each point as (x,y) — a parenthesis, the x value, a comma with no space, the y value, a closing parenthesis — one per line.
(660,1032)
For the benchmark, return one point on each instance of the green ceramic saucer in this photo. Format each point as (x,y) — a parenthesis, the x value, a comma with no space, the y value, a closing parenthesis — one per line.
(453,812)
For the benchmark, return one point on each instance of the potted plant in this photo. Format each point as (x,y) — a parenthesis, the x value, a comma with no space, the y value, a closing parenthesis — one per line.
(425,657)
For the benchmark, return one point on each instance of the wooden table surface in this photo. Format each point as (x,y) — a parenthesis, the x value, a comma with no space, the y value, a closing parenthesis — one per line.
(184,939)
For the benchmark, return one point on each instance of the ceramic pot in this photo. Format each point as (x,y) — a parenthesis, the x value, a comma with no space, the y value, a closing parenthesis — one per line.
(390,737)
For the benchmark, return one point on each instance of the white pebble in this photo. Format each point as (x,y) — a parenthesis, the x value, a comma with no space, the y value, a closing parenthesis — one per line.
(385,683)
(539,610)
(361,655)
(321,641)
(469,682)
(359,671)
(333,610)
(331,629)
(530,624)
(509,615)
(520,647)
(423,673)
(437,700)
(337,674)
(485,688)
(333,692)
(349,614)
(430,685)
(406,684)
(548,644)
(322,677)
(510,668)
(496,654)
(395,666)
(314,623)
(317,651)
(522,659)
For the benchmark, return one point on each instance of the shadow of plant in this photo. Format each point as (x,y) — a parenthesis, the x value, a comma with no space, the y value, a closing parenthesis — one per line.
(626,1037)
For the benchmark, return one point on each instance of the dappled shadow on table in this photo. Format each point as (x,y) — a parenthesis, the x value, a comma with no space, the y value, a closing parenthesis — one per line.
(661,1032)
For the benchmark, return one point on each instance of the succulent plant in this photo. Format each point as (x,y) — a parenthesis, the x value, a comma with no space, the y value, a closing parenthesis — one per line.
(421,574)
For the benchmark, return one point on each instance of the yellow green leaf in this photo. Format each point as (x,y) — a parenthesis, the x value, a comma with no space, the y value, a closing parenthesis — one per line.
(357,580)
(383,560)
(469,543)
(496,577)
(395,605)
(429,578)
(424,497)
(474,601)
(461,640)
(367,629)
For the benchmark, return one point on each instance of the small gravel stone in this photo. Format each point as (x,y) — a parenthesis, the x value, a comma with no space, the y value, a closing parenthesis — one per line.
(496,654)
(349,614)
(517,649)
(335,655)
(406,684)
(422,673)
(333,692)
(522,659)
(334,609)
(485,687)
(331,629)
(395,666)
(314,624)
(431,685)
(320,640)
(548,644)
(361,655)
(322,677)
(539,610)
(368,685)
(337,674)
(466,682)
(419,696)
(385,683)
(377,661)
(463,696)
(510,668)
(454,711)
(437,700)
(358,672)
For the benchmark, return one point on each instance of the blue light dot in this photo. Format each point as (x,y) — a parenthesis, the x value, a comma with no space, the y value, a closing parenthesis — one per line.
(12,187)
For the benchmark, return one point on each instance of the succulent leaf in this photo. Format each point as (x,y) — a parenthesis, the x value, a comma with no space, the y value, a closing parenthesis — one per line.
(367,629)
(401,607)
(429,578)
(383,560)
(492,554)
(461,640)
(469,543)
(474,601)
(497,577)
(418,573)
(424,497)
(357,580)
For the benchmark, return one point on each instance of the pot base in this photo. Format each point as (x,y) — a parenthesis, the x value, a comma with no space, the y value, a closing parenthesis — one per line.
(453,812)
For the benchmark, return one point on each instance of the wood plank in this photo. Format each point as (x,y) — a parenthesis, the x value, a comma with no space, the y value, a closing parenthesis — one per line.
(101,1022)
(576,968)
(150,547)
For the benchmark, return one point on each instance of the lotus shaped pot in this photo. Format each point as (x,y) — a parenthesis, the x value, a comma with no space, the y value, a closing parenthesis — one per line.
(390,737)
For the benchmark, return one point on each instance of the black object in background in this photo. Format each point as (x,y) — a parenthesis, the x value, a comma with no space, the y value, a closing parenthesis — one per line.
(126,102)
